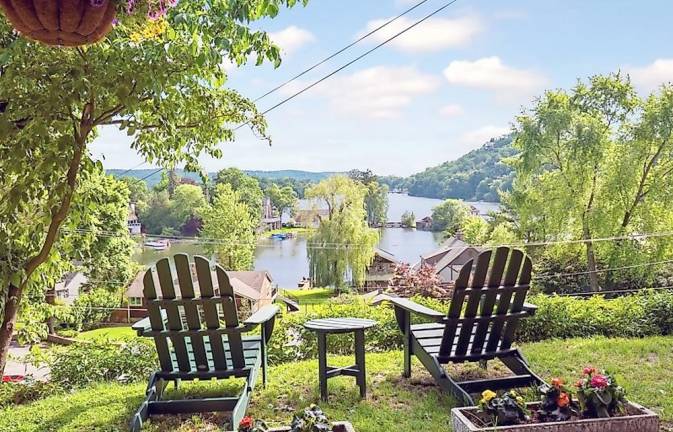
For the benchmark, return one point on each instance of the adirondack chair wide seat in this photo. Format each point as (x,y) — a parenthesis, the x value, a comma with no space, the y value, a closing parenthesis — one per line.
(198,336)
(487,304)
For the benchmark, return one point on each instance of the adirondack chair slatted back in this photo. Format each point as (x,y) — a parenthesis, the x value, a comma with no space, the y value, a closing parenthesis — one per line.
(489,292)
(200,350)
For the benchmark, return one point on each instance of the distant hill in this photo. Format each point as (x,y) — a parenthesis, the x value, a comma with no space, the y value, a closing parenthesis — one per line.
(152,179)
(476,176)
(292,174)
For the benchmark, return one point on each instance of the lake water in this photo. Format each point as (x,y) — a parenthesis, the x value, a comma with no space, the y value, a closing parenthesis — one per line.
(287,262)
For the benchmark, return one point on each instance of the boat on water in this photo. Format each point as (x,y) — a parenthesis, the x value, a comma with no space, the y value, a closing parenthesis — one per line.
(279,236)
(158,245)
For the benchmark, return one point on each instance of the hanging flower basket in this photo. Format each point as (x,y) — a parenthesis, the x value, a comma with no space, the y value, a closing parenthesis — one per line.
(61,22)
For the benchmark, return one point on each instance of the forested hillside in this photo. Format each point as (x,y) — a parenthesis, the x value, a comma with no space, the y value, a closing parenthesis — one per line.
(476,176)
(289,175)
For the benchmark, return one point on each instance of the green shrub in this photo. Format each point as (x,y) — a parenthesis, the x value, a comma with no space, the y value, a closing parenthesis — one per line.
(20,393)
(93,307)
(81,364)
(643,314)
(291,341)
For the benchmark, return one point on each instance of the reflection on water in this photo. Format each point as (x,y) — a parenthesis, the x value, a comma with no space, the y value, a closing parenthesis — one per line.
(286,259)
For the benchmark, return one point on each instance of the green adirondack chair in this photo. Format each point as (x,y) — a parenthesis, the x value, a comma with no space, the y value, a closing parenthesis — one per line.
(479,325)
(198,336)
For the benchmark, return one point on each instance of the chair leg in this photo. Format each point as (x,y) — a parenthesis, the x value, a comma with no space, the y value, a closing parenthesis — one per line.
(406,372)
(443,380)
(155,389)
(517,363)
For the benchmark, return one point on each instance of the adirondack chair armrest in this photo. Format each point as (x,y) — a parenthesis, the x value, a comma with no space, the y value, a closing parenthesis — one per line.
(410,306)
(530,308)
(142,326)
(262,316)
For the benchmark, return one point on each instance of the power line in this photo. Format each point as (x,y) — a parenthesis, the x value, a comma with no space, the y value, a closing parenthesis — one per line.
(642,236)
(131,169)
(350,45)
(356,59)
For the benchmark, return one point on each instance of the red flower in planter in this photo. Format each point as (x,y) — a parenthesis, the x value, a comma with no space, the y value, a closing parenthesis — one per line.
(589,370)
(599,381)
(557,382)
(246,423)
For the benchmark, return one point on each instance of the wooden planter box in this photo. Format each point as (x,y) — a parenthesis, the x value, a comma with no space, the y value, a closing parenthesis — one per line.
(338,427)
(640,419)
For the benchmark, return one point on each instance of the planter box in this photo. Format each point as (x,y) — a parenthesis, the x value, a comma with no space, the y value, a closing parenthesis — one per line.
(639,419)
(338,427)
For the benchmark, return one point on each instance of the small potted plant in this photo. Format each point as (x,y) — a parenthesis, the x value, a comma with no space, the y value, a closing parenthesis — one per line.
(599,395)
(505,410)
(311,419)
(248,424)
(556,403)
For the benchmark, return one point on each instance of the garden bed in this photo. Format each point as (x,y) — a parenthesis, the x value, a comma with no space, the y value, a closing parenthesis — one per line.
(637,418)
(336,427)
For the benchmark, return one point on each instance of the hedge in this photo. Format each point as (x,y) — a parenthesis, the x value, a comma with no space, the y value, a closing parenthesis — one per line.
(643,314)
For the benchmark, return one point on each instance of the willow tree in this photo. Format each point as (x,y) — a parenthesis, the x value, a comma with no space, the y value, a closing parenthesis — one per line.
(165,87)
(342,247)
(597,161)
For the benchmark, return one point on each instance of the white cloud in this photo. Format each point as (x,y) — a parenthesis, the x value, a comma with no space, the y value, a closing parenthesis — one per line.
(376,92)
(491,74)
(451,110)
(648,78)
(433,34)
(479,136)
(292,38)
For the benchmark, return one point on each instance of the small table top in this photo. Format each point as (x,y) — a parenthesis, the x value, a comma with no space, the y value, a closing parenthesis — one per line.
(338,325)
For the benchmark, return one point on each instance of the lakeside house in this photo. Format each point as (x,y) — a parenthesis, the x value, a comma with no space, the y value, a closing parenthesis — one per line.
(424,224)
(132,220)
(253,290)
(68,289)
(380,273)
(310,218)
(449,258)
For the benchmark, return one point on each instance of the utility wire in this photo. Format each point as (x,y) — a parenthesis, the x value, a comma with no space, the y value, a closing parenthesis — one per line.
(643,236)
(356,59)
(350,45)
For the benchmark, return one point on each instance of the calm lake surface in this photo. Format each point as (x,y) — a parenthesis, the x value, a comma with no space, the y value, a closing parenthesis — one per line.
(286,259)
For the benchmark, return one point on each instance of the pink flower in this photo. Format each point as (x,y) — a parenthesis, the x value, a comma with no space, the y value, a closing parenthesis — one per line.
(599,381)
(589,370)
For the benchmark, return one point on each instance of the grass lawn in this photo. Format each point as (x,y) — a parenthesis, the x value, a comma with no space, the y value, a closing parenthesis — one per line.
(310,296)
(107,333)
(393,403)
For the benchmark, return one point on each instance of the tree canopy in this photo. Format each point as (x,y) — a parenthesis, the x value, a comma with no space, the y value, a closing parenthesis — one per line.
(449,216)
(247,187)
(597,161)
(166,89)
(229,229)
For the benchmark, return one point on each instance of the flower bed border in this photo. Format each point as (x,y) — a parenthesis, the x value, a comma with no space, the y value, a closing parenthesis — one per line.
(645,421)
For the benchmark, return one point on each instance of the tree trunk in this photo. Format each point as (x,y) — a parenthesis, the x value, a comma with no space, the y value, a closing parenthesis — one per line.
(8,322)
(591,258)
(50,299)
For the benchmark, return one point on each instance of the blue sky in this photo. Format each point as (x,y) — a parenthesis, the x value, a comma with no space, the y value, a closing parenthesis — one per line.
(435,93)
